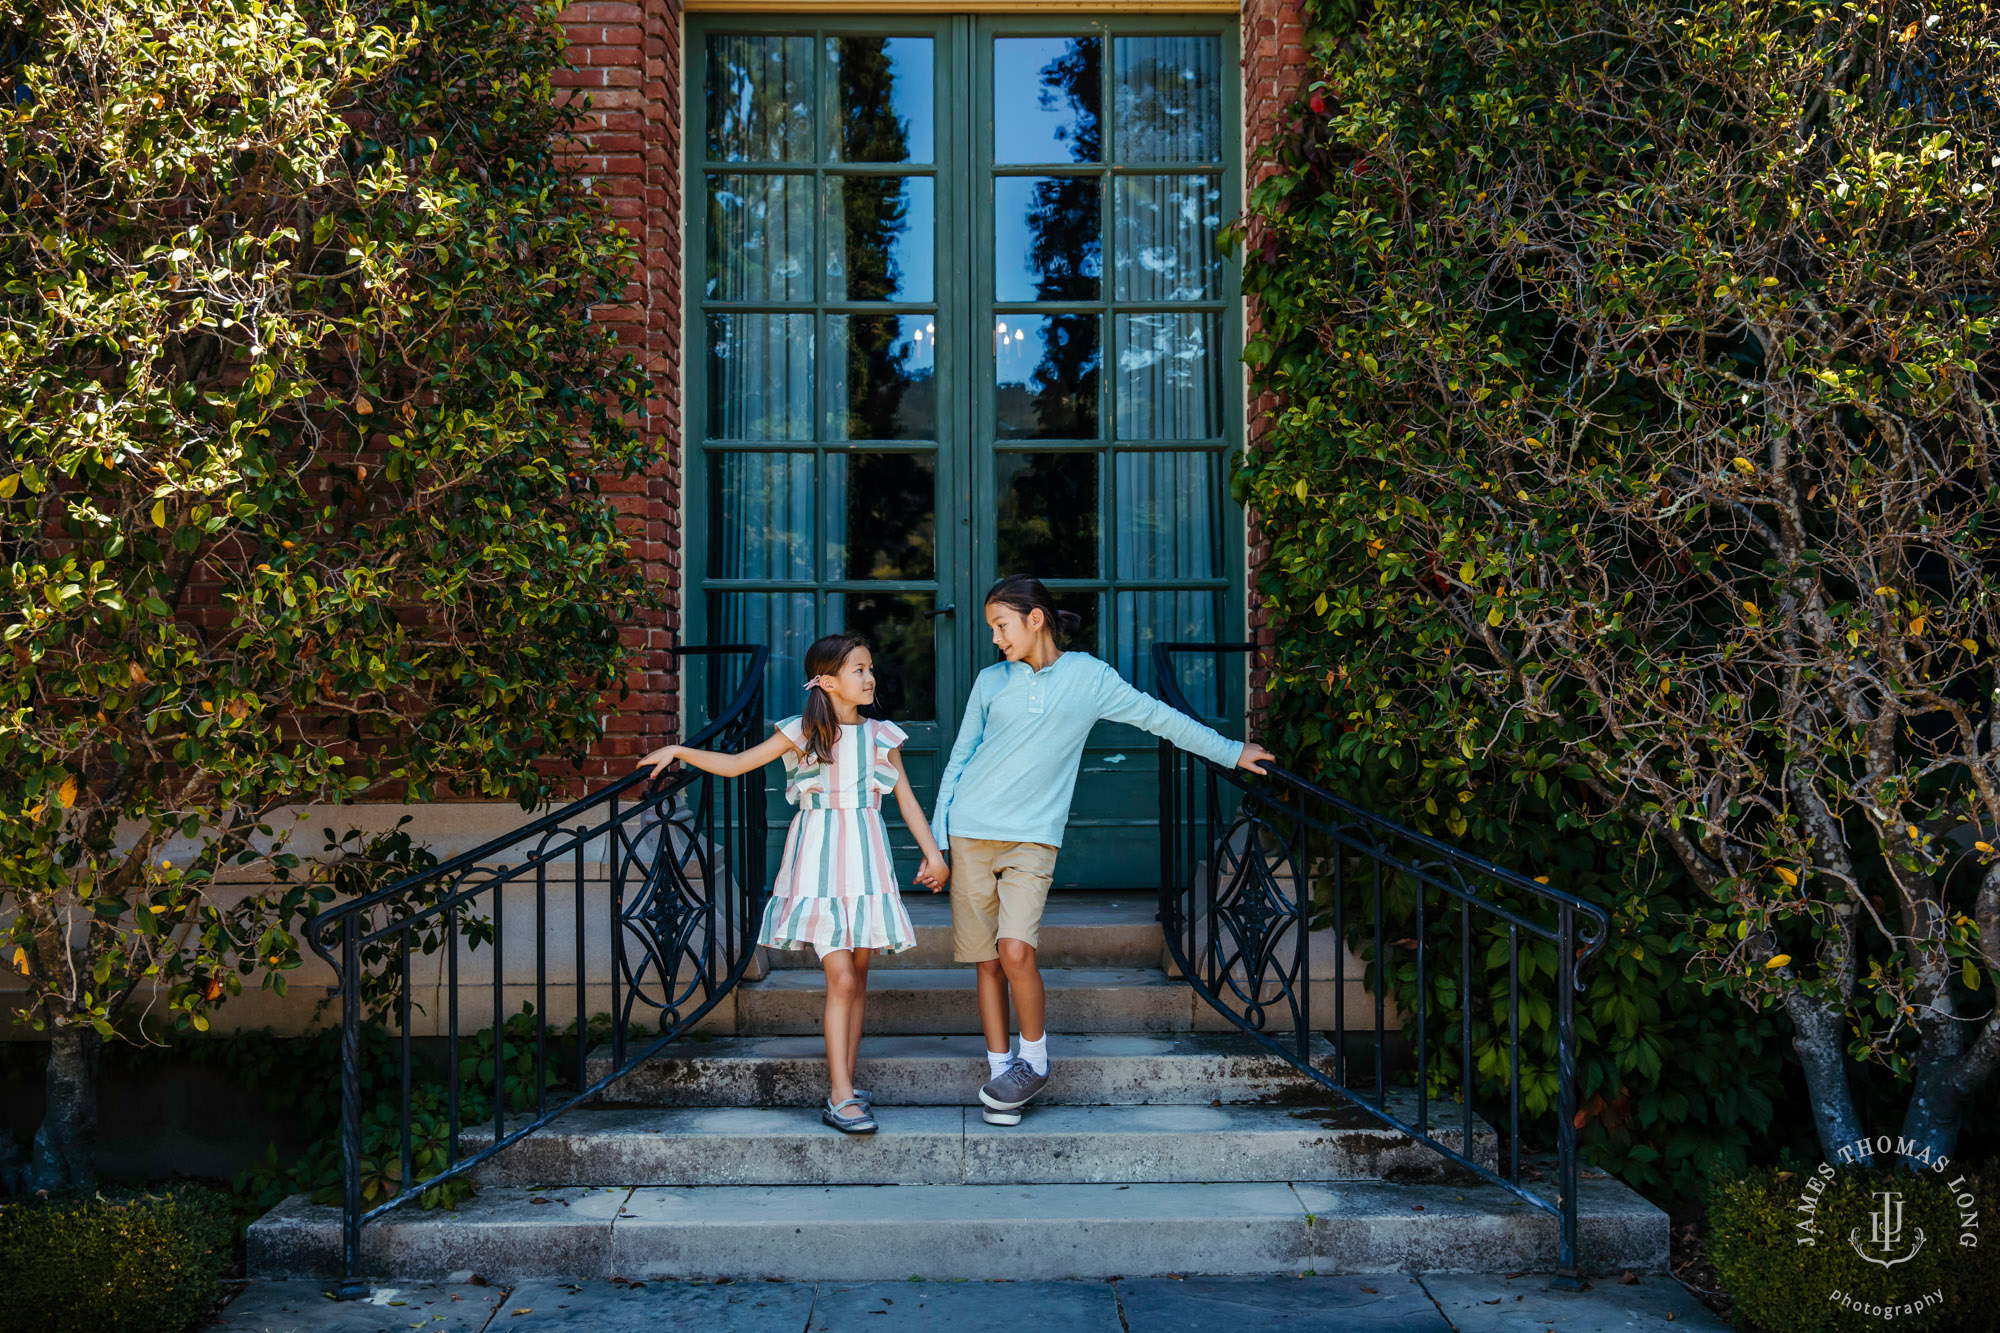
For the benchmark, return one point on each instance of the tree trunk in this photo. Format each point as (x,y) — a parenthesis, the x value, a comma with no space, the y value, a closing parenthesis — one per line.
(1819,1035)
(64,1158)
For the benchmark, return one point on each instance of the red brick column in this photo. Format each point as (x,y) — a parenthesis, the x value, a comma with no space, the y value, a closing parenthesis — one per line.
(626,59)
(1274,61)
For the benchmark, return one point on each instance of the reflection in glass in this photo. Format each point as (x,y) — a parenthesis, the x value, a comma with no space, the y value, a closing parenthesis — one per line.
(760,99)
(760,377)
(885,516)
(903,641)
(1167,106)
(1169,377)
(878,105)
(1046,94)
(1164,237)
(760,516)
(1164,524)
(759,237)
(782,621)
(884,385)
(1048,242)
(1146,618)
(1046,370)
(880,238)
(1047,521)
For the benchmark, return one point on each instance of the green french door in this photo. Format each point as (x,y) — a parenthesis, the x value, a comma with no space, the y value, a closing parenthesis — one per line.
(957,310)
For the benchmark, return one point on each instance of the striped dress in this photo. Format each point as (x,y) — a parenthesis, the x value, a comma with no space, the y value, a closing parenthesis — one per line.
(836,887)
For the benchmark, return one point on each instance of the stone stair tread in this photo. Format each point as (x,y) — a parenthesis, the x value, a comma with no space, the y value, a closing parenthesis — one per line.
(859,1232)
(925,1145)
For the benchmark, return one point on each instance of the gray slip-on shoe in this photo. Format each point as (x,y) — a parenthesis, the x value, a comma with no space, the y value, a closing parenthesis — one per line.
(1015,1087)
(858,1124)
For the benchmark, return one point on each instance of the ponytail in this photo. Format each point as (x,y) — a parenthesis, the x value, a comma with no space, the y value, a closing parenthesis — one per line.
(817,720)
(1021,594)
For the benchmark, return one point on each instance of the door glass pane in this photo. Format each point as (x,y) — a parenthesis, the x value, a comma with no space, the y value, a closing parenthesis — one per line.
(760,99)
(1146,618)
(1047,514)
(904,642)
(878,104)
(1169,377)
(759,237)
(760,377)
(783,622)
(1046,94)
(882,370)
(1164,238)
(1046,368)
(1164,522)
(880,238)
(1168,102)
(885,524)
(760,516)
(1048,242)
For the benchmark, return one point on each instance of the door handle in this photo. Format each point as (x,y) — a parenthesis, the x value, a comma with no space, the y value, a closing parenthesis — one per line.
(948,609)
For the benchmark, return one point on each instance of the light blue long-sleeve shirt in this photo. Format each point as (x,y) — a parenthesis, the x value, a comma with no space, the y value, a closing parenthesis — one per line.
(1013,768)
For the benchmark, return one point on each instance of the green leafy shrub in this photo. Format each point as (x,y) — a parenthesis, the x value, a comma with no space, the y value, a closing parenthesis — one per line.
(1629,497)
(143,1263)
(1758,1243)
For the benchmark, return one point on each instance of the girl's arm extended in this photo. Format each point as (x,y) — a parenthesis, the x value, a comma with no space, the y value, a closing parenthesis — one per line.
(935,870)
(716,761)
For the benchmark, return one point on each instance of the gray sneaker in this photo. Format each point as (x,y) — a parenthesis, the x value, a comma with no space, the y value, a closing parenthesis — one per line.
(1015,1087)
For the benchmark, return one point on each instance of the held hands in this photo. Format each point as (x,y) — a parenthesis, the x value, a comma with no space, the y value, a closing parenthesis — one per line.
(936,870)
(1254,757)
(660,758)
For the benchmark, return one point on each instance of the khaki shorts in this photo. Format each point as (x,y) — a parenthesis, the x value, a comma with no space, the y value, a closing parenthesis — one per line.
(998,890)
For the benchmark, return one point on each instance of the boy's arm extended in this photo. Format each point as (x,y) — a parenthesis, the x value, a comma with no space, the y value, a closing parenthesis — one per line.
(718,762)
(1117,701)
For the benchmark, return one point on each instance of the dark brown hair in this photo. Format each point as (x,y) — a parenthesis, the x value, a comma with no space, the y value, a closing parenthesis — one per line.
(1021,593)
(821,727)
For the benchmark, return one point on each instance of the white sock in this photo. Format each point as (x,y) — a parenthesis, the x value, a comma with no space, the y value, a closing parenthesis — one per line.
(996,1063)
(1036,1053)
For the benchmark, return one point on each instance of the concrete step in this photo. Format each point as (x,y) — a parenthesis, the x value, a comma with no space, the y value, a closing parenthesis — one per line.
(860,1232)
(1088,1069)
(1079,929)
(952,1145)
(788,1001)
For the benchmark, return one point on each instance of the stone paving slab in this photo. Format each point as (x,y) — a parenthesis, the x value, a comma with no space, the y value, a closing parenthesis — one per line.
(1529,1305)
(655,1307)
(306,1307)
(925,1307)
(1390,1303)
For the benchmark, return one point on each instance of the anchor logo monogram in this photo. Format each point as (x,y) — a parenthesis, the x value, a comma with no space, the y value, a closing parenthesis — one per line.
(1886,1232)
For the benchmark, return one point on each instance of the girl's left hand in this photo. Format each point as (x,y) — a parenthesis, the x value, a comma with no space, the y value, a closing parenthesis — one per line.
(936,870)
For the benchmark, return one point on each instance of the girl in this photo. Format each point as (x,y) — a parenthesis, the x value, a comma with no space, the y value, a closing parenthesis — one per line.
(1003,801)
(836,889)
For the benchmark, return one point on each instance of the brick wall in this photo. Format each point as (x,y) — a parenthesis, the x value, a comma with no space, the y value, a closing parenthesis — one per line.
(1273,69)
(625,59)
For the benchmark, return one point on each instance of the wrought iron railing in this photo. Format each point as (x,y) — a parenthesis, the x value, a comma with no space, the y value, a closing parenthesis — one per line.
(1250,865)
(653,888)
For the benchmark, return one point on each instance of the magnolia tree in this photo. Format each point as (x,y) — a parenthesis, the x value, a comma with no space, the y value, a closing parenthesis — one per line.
(1641,386)
(304,415)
